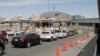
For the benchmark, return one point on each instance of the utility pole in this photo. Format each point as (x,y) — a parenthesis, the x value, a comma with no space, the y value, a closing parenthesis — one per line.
(48,12)
(53,7)
(48,5)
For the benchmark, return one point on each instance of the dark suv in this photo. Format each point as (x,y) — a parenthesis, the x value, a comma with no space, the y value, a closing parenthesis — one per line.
(2,47)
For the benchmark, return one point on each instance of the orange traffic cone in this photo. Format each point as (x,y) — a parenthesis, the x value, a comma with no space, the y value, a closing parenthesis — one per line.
(88,35)
(84,37)
(57,52)
(65,46)
(81,38)
(71,43)
(76,41)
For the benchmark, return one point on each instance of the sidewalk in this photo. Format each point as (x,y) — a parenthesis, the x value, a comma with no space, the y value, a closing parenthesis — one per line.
(75,51)
(89,50)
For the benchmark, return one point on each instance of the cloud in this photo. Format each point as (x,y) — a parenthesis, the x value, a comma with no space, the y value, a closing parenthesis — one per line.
(30,2)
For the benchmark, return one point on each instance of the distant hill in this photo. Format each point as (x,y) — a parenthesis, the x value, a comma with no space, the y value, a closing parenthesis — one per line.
(53,14)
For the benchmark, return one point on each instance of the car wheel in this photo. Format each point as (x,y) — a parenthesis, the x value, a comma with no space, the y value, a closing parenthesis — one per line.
(1,50)
(57,38)
(6,41)
(40,42)
(15,46)
(51,39)
(63,36)
(28,44)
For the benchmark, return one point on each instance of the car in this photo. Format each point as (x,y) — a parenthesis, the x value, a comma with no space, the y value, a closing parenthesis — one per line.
(26,40)
(72,32)
(4,36)
(10,32)
(59,33)
(64,32)
(48,35)
(2,47)
(14,33)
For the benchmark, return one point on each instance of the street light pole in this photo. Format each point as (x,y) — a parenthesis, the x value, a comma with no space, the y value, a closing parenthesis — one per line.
(48,5)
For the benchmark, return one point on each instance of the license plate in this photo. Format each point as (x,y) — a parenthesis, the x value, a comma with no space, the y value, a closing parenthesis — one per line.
(16,39)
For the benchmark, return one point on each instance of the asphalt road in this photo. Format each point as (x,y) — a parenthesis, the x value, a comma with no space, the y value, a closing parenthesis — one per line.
(45,49)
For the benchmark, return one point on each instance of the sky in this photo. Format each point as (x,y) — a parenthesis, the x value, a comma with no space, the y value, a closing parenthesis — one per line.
(27,8)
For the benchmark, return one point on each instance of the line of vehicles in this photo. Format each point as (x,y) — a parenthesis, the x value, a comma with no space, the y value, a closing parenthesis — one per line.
(23,39)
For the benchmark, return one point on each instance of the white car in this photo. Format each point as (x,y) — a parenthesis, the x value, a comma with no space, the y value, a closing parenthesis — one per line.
(13,33)
(48,35)
(64,32)
(10,32)
(61,33)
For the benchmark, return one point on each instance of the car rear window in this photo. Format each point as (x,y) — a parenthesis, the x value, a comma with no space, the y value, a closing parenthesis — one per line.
(58,31)
(52,32)
(20,35)
(45,32)
(64,31)
(8,30)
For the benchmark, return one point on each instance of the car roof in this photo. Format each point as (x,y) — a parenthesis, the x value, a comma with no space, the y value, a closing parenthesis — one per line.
(29,33)
(20,35)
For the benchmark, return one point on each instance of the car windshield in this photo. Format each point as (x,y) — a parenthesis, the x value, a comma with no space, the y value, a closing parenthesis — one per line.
(20,35)
(8,30)
(52,32)
(58,31)
(64,31)
(45,32)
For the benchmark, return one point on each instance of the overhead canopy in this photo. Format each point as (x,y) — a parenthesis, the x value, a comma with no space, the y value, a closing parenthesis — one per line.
(90,20)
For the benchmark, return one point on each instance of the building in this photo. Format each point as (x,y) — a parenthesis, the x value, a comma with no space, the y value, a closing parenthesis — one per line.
(78,17)
(85,24)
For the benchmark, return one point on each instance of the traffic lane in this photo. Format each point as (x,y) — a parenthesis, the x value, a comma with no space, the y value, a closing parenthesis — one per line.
(39,50)
(35,49)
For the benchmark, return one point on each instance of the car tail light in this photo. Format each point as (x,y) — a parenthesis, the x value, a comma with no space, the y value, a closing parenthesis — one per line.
(23,38)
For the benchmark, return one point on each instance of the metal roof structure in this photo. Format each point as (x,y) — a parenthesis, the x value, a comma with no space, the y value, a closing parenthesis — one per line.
(89,20)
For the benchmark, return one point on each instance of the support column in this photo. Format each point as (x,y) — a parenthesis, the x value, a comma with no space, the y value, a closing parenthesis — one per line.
(71,25)
(93,27)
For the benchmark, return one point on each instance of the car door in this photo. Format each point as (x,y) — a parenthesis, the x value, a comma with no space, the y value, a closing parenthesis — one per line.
(35,39)
(53,35)
(31,38)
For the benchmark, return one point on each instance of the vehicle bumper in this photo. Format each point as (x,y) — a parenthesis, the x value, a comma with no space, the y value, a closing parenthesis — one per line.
(19,43)
(45,38)
(60,36)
